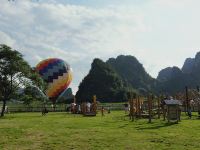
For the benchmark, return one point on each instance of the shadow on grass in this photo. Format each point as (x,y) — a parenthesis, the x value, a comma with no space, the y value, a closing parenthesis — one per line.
(157,126)
(21,115)
(9,117)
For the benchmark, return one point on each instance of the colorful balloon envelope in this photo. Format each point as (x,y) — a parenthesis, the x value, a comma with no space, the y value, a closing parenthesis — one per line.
(57,73)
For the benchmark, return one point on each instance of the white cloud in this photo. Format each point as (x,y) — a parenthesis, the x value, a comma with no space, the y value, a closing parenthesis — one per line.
(158,32)
(177,4)
(74,33)
(6,39)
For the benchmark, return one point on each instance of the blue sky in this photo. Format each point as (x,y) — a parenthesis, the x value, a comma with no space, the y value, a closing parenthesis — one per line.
(160,33)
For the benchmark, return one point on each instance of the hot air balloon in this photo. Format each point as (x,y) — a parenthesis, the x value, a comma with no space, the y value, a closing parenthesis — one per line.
(57,74)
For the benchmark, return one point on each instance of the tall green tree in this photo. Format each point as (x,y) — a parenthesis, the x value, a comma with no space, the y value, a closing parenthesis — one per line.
(15,73)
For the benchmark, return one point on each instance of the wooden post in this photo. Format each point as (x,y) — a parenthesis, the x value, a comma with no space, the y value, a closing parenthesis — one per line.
(136,106)
(74,100)
(132,102)
(94,104)
(168,113)
(186,99)
(132,110)
(83,108)
(177,114)
(198,103)
(139,106)
(150,107)
(159,107)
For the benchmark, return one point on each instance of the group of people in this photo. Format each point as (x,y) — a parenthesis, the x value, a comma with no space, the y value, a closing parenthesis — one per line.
(86,108)
(75,108)
(79,108)
(6,109)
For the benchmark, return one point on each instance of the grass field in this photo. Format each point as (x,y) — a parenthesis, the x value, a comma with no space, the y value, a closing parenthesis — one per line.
(64,131)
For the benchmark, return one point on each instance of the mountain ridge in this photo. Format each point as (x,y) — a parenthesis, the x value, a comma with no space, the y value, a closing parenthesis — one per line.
(129,74)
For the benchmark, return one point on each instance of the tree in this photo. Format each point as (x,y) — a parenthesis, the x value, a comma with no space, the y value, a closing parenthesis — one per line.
(37,80)
(27,99)
(33,93)
(15,72)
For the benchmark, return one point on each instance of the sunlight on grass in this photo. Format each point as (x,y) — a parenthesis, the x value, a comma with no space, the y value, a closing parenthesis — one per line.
(114,131)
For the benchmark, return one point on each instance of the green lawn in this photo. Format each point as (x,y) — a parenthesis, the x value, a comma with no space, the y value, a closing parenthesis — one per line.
(114,131)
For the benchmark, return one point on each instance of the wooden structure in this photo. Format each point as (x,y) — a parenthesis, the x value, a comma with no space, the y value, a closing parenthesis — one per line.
(132,104)
(190,99)
(132,110)
(135,103)
(89,109)
(173,110)
(150,100)
(159,106)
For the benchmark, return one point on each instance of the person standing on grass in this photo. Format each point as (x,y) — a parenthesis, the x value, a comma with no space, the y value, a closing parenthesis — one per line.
(108,109)
(52,106)
(79,108)
(190,108)
(44,111)
(179,111)
(88,106)
(189,112)
(126,108)
(102,111)
(6,109)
